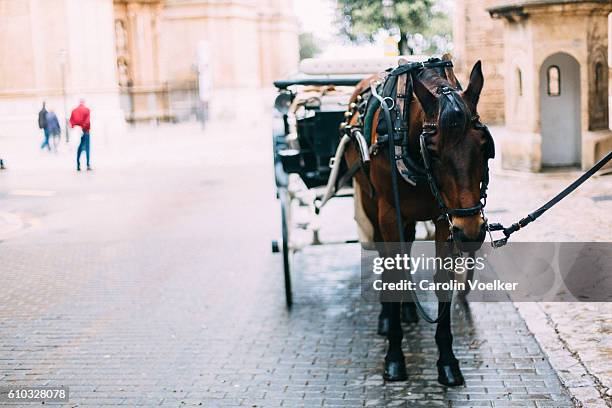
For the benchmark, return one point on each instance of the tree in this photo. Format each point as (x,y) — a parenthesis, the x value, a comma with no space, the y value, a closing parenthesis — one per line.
(362,19)
(308,46)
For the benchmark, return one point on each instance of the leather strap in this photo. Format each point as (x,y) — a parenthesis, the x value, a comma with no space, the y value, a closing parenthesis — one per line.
(430,63)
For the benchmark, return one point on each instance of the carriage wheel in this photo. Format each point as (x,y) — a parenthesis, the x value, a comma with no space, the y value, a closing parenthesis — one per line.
(285,201)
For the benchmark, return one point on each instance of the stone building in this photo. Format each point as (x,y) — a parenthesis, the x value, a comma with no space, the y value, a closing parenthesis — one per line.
(163,47)
(136,59)
(52,47)
(546,66)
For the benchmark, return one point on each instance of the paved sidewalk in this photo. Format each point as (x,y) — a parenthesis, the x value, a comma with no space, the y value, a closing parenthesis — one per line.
(576,337)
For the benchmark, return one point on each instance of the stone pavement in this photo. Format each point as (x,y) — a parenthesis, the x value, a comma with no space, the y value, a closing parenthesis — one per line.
(150,281)
(576,337)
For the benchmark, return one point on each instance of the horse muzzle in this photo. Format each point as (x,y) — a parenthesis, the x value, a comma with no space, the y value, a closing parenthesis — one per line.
(468,243)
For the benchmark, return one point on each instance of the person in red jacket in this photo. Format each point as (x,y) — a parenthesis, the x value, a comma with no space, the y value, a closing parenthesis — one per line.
(81,117)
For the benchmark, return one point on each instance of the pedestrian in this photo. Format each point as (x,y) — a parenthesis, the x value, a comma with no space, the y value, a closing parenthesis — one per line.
(81,117)
(53,127)
(42,124)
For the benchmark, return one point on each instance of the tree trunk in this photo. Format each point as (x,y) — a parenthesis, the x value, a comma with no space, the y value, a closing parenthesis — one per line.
(402,45)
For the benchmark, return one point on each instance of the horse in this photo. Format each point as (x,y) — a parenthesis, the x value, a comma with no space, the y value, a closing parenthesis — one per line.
(458,148)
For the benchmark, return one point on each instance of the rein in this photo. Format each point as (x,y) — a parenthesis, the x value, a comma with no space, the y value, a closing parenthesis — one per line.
(507,231)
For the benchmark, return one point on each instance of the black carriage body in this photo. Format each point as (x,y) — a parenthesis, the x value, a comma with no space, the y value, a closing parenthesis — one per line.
(318,134)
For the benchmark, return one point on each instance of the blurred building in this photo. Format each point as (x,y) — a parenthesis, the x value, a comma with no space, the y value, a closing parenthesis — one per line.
(49,48)
(137,59)
(165,48)
(547,76)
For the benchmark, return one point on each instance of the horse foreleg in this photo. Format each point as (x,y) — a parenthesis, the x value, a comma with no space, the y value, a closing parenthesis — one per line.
(409,311)
(449,372)
(395,363)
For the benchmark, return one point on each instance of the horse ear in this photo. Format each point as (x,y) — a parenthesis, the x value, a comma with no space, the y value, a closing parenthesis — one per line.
(450,74)
(472,93)
(428,100)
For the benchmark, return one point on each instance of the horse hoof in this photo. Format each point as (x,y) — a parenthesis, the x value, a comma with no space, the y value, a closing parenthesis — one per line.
(395,371)
(450,374)
(383,325)
(409,313)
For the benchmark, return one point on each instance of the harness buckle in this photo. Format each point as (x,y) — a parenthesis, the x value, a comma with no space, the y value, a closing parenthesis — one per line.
(392,102)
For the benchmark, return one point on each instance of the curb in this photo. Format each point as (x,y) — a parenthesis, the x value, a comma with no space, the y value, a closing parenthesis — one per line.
(583,386)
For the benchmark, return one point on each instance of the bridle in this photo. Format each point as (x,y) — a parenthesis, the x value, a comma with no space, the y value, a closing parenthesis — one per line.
(429,130)
(411,170)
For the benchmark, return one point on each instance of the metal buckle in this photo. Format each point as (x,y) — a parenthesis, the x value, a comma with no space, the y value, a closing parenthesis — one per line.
(429,128)
(392,102)
(498,243)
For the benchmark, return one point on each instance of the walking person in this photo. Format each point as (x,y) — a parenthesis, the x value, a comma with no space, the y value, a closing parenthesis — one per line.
(81,117)
(42,124)
(53,128)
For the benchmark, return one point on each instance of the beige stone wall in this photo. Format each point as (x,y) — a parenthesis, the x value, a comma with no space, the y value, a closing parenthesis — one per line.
(580,30)
(32,34)
(137,37)
(278,48)
(251,42)
(476,36)
(141,22)
(230,30)
(147,47)
(534,40)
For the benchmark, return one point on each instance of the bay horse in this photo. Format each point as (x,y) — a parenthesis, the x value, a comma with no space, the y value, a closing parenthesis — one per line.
(458,148)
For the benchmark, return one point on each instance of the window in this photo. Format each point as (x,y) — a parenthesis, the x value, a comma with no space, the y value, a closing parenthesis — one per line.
(553,76)
(519,82)
(599,76)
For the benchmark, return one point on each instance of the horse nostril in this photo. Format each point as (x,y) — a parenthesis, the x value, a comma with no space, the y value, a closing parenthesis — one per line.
(458,234)
(467,244)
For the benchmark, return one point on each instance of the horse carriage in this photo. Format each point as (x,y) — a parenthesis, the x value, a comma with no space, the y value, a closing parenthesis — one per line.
(310,110)
(409,146)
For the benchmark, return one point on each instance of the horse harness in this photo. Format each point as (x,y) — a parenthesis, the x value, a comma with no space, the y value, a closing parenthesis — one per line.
(393,95)
(397,89)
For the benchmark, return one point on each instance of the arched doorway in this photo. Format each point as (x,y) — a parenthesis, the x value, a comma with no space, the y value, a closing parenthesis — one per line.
(560,110)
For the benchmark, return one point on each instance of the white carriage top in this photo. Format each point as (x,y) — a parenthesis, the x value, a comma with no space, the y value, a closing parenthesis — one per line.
(327,82)
(352,66)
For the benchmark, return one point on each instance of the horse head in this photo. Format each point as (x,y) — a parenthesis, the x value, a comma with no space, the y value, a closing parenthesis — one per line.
(458,147)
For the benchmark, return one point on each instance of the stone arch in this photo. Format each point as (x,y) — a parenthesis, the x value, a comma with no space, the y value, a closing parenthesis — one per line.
(560,124)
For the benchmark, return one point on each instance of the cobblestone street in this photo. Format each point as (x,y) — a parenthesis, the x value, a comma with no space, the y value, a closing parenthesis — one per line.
(150,282)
